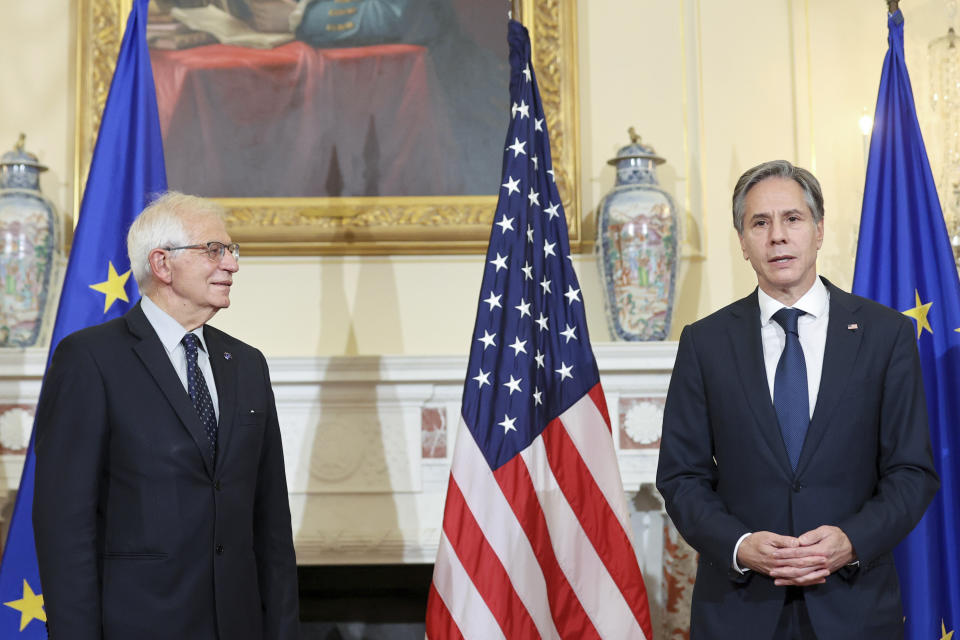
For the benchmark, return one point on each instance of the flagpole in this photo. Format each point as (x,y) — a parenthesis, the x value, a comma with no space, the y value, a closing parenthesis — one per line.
(516,10)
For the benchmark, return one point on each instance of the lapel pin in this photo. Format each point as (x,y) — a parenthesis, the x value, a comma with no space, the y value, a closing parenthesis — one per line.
(227,355)
(853,327)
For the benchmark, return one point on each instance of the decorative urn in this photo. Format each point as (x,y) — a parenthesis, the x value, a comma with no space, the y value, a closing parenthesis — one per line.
(28,239)
(637,247)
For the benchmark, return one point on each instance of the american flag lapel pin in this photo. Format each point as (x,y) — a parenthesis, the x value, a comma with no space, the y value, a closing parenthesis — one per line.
(227,355)
(853,326)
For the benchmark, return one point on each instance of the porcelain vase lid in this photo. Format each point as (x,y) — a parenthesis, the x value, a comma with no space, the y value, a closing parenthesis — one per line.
(19,156)
(636,150)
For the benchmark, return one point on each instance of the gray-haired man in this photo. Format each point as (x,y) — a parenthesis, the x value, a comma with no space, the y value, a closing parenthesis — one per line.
(161,503)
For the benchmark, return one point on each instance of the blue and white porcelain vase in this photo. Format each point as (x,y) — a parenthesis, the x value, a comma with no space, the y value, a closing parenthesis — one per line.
(28,240)
(637,247)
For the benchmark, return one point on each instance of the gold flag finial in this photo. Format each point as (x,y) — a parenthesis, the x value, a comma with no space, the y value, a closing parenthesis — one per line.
(21,142)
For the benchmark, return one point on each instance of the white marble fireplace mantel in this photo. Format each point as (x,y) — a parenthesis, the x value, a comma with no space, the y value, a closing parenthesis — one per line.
(368,440)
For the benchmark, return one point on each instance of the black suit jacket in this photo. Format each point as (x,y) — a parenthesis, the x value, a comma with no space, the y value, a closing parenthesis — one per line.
(865,466)
(139,533)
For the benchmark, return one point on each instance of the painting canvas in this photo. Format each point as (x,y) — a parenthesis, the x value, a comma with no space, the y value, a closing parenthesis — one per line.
(339,126)
(329,98)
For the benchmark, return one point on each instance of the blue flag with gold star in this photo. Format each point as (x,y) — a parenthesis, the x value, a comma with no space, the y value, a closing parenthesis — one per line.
(904,260)
(127,168)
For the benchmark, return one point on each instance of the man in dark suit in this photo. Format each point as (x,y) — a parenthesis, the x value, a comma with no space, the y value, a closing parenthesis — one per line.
(161,506)
(795,451)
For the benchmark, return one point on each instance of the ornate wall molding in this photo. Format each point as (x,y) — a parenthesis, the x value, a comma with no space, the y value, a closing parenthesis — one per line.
(361,489)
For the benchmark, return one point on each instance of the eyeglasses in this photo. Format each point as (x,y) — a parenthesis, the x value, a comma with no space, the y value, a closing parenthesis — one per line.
(214,250)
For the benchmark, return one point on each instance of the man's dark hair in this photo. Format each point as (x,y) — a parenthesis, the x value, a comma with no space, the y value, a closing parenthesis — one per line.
(777,169)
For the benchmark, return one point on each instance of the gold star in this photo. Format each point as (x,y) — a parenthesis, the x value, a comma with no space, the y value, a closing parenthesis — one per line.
(30,606)
(919,313)
(113,287)
(944,635)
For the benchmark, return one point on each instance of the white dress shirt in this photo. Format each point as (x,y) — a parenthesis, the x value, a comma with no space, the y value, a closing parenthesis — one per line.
(812,328)
(171,333)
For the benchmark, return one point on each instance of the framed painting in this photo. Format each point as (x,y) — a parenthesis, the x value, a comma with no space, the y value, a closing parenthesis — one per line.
(339,126)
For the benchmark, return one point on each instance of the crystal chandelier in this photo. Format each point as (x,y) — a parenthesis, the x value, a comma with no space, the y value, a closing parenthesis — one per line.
(944,55)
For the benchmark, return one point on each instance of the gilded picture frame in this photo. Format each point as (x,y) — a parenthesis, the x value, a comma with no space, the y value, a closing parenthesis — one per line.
(360,225)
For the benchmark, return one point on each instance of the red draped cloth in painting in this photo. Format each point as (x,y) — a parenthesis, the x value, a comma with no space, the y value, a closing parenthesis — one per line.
(300,121)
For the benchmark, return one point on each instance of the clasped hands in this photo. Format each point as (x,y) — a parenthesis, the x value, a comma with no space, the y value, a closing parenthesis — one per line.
(802,561)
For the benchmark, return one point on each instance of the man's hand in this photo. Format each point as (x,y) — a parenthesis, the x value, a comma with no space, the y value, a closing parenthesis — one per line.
(783,558)
(818,554)
(831,543)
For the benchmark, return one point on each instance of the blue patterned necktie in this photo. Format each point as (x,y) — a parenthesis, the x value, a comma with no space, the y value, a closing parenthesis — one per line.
(199,394)
(791,396)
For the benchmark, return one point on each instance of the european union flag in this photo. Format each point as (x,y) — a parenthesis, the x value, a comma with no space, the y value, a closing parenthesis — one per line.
(127,168)
(904,260)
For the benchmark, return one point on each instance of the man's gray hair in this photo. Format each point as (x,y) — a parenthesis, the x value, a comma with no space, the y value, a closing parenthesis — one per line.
(162,224)
(777,169)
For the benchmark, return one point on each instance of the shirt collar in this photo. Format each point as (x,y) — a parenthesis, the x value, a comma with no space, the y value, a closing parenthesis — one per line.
(814,302)
(168,330)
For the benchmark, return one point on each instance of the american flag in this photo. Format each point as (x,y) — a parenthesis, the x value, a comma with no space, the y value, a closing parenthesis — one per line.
(536,538)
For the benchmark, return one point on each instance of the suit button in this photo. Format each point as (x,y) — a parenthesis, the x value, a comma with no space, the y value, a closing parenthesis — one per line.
(797,486)
(219,549)
(216,485)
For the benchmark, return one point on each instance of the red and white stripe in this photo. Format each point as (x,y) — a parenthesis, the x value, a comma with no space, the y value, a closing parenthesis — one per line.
(540,548)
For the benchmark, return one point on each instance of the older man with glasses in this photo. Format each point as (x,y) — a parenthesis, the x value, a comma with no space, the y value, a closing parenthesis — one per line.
(161,504)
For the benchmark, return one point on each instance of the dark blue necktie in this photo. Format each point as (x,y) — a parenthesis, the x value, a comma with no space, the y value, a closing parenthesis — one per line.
(199,394)
(791,396)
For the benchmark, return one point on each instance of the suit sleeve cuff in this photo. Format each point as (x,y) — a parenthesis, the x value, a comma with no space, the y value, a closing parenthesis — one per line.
(736,548)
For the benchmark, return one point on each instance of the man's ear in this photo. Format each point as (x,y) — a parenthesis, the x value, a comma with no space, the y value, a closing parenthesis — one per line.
(160,266)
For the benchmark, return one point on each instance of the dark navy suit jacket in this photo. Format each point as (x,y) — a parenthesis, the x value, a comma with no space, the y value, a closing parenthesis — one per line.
(865,466)
(139,533)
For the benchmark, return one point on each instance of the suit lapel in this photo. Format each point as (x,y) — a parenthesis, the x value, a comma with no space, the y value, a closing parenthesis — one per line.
(748,352)
(839,357)
(225,375)
(150,350)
